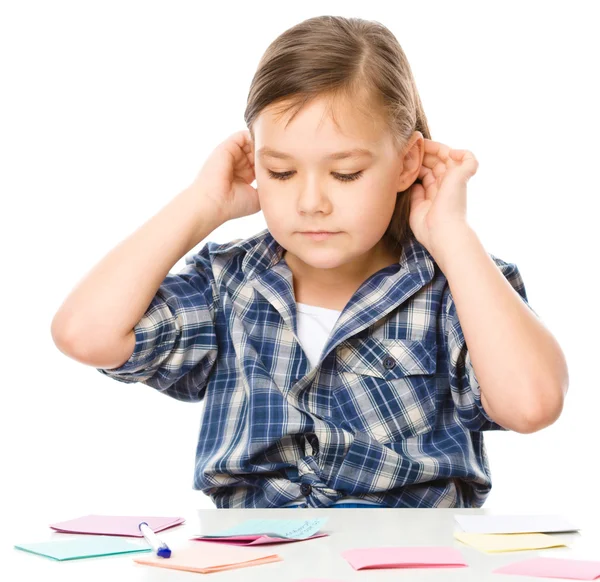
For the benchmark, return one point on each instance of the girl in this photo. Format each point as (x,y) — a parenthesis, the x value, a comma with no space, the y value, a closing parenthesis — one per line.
(352,353)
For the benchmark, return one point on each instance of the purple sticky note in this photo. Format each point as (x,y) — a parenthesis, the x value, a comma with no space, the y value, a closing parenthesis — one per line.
(254,540)
(115,525)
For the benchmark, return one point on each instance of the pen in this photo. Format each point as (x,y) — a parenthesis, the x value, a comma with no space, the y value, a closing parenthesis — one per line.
(161,549)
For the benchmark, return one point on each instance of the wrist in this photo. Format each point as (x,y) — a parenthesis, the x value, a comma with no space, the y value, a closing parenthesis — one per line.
(200,212)
(452,244)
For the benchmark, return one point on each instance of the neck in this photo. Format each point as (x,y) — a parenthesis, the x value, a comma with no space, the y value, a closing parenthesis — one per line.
(350,274)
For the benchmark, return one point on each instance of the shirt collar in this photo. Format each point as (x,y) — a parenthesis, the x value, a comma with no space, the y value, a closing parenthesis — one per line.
(264,252)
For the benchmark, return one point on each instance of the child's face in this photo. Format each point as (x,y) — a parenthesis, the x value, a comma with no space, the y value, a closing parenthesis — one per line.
(315,194)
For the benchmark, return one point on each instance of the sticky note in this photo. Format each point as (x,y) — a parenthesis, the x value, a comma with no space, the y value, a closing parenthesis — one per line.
(581,548)
(115,525)
(404,557)
(506,524)
(554,568)
(256,540)
(508,542)
(293,529)
(84,547)
(205,558)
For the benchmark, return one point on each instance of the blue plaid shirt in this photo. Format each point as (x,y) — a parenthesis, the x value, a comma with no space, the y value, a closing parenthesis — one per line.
(392,413)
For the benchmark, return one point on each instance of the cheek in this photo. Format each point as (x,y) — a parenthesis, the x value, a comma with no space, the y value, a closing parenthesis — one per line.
(276,213)
(270,203)
(373,204)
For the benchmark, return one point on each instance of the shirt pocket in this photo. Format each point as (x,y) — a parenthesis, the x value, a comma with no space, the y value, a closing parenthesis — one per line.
(387,387)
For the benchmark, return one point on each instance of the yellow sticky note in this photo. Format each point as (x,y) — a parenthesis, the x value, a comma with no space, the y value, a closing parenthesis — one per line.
(508,542)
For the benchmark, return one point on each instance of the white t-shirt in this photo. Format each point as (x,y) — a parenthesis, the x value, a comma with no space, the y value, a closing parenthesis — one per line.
(314,326)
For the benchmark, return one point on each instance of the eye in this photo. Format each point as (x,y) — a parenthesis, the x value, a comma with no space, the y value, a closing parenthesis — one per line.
(280,176)
(348,177)
(340,177)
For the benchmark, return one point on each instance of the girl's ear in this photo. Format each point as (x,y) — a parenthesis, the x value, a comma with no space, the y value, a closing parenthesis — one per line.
(413,154)
(252,147)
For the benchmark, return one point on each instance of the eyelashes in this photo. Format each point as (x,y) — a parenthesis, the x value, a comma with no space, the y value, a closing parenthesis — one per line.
(339,177)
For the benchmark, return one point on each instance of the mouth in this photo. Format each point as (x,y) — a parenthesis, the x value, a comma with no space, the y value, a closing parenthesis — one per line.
(319,235)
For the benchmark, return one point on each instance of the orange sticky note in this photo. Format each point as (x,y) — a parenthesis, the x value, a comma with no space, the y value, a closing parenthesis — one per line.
(205,558)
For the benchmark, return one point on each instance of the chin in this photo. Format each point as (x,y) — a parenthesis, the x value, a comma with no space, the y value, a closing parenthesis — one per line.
(321,258)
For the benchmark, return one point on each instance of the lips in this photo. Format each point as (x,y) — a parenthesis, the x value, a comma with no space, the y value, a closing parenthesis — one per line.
(320,235)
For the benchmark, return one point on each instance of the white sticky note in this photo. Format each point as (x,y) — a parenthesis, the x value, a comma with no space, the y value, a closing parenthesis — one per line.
(505,524)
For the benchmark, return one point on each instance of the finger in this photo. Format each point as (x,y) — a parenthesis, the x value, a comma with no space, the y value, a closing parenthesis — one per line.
(432,162)
(429,185)
(248,143)
(242,139)
(428,176)
(243,150)
(460,154)
(467,160)
(417,193)
(424,173)
(431,147)
(438,149)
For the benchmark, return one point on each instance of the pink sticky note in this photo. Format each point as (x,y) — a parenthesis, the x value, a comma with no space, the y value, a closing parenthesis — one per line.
(408,557)
(254,540)
(115,525)
(554,568)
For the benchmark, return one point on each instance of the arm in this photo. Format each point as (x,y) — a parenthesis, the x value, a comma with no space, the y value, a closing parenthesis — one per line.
(94,325)
(520,367)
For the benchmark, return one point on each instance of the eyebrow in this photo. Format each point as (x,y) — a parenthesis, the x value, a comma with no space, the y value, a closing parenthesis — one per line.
(354,153)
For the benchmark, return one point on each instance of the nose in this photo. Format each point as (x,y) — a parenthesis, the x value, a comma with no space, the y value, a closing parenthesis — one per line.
(313,199)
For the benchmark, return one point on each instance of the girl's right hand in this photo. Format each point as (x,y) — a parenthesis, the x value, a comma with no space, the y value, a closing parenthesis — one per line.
(226,176)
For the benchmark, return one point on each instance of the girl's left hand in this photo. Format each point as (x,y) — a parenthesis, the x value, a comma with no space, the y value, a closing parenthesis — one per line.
(439,204)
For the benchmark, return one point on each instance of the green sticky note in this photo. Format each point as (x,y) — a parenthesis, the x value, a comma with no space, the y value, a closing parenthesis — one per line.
(83,547)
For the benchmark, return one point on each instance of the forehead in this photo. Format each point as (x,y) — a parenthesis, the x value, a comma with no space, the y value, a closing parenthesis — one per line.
(330,129)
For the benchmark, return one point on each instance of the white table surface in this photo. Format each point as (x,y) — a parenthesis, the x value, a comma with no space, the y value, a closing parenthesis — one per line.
(319,558)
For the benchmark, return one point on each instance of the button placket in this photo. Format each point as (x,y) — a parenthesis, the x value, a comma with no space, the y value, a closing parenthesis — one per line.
(308,450)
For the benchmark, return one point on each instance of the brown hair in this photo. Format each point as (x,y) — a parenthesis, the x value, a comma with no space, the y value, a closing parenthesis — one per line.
(352,59)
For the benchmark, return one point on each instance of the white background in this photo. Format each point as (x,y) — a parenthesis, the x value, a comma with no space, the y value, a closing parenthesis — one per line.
(109,109)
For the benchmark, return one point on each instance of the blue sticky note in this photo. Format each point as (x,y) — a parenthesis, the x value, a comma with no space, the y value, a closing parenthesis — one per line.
(296,529)
(83,547)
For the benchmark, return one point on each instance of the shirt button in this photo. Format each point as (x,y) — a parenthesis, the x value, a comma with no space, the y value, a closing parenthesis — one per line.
(305,489)
(389,362)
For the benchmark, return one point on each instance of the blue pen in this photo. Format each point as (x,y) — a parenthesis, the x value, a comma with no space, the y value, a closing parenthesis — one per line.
(161,549)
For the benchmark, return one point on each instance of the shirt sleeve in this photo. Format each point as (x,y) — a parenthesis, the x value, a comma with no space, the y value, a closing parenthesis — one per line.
(464,386)
(175,340)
